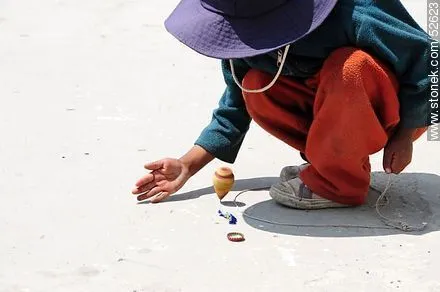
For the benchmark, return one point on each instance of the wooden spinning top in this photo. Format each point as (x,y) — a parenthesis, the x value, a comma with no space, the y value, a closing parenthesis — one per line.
(223,181)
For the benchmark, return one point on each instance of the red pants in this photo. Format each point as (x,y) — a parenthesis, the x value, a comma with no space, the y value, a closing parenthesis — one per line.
(338,118)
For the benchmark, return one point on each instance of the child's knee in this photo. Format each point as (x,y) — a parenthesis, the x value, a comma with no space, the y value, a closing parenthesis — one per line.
(352,70)
(353,65)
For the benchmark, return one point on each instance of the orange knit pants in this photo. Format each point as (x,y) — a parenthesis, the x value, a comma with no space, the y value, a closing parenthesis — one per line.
(337,118)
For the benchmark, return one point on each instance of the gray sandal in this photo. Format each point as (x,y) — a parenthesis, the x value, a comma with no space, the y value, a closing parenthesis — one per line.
(295,194)
(290,172)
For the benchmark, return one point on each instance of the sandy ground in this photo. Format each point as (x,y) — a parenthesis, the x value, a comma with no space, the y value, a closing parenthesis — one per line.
(93,89)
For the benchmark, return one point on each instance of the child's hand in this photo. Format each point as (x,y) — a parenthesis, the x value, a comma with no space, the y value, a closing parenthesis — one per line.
(398,152)
(167,176)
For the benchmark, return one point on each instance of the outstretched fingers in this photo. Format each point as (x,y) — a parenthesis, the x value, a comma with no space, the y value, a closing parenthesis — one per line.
(156,165)
(145,188)
(154,191)
(161,196)
(147,182)
(146,179)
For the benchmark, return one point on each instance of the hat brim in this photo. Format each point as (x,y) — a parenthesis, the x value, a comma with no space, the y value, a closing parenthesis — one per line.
(224,37)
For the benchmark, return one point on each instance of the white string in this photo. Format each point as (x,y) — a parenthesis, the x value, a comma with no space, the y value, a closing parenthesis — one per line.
(398,224)
(283,61)
(391,224)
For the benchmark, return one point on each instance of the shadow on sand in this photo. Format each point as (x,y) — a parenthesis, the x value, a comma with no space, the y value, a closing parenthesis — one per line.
(413,198)
(240,185)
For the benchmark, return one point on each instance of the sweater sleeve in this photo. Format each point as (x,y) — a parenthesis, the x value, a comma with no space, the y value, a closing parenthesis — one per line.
(388,31)
(230,121)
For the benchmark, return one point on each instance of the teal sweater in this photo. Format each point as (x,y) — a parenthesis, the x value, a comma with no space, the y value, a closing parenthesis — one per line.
(381,27)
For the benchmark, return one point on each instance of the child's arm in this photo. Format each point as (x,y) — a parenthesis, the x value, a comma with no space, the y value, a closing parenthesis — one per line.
(195,159)
(230,121)
(221,139)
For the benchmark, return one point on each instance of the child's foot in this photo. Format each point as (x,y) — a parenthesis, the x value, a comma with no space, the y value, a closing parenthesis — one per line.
(295,194)
(290,172)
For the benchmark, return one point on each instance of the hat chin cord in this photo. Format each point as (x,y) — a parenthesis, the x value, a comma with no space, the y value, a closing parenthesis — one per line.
(281,66)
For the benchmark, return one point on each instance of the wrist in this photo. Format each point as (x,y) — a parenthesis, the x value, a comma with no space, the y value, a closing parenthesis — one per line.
(404,133)
(195,159)
(187,167)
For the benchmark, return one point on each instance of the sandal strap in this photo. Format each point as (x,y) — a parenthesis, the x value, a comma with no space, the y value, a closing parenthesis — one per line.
(304,192)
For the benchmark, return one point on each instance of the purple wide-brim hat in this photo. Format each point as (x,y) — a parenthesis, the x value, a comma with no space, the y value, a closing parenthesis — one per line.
(229,29)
